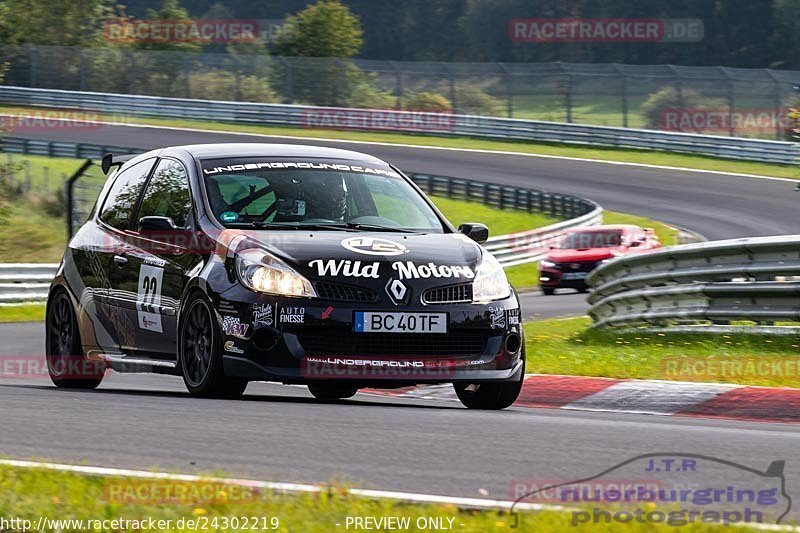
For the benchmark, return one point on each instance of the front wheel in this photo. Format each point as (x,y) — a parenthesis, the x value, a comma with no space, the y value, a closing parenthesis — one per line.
(199,349)
(332,391)
(548,291)
(66,363)
(490,396)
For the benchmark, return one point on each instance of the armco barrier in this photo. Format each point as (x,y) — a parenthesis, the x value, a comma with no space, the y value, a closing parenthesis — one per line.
(702,285)
(365,119)
(20,282)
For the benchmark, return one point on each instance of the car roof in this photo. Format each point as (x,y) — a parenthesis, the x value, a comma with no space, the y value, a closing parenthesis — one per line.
(232,150)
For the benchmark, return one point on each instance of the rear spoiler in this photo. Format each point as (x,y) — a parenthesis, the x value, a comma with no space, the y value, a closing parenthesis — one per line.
(111,160)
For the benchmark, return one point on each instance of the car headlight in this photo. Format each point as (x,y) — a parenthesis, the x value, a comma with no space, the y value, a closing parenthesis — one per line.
(490,281)
(546,263)
(261,271)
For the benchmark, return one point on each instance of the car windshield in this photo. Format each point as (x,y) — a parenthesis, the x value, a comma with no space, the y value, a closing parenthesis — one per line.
(591,239)
(268,192)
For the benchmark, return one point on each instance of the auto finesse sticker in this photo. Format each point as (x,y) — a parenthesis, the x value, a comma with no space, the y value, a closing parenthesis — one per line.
(404,269)
(231,325)
(148,298)
(512,317)
(263,315)
(498,317)
(292,315)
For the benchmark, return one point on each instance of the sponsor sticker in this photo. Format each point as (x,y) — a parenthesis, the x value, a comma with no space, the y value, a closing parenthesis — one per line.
(374,246)
(262,315)
(404,269)
(292,315)
(231,325)
(498,317)
(512,317)
(230,346)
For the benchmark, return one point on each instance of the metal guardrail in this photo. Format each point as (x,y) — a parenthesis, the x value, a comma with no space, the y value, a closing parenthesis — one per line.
(21,282)
(701,286)
(404,121)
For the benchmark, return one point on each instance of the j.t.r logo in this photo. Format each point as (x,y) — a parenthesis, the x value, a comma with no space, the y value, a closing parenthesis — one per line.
(374,246)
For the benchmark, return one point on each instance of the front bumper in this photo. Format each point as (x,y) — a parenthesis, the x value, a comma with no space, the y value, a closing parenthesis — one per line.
(310,340)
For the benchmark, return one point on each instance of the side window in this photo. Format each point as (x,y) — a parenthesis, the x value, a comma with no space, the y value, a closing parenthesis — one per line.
(167,193)
(121,199)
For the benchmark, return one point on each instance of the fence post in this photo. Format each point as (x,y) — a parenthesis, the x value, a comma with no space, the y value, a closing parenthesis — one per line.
(624,95)
(509,90)
(288,81)
(398,86)
(133,72)
(82,69)
(779,108)
(731,101)
(33,55)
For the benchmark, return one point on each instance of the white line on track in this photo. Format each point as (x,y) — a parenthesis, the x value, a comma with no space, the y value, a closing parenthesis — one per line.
(406,497)
(442,148)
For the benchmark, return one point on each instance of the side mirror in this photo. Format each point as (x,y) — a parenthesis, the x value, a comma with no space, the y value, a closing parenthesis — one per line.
(475,231)
(156,224)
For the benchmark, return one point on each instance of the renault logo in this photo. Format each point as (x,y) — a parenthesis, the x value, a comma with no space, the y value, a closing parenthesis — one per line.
(397,291)
(374,246)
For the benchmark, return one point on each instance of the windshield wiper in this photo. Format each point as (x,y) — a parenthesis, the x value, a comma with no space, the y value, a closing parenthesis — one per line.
(375,227)
(291,226)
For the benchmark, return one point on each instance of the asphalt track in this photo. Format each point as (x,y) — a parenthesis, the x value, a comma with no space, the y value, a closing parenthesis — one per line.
(279,433)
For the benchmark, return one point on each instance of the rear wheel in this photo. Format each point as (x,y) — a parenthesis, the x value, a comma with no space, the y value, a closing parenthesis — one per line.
(332,391)
(490,396)
(199,349)
(66,362)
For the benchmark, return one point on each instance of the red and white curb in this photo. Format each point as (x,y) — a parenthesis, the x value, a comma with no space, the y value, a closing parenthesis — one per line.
(668,398)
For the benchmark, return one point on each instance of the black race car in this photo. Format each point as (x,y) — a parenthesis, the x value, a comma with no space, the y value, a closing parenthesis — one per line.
(229,263)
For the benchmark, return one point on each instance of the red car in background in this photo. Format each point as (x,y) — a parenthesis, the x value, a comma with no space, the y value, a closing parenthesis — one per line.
(581,250)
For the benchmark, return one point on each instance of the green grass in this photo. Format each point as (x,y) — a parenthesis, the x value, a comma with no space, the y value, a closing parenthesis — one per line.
(568,346)
(500,221)
(40,169)
(613,154)
(28,236)
(30,493)
(22,313)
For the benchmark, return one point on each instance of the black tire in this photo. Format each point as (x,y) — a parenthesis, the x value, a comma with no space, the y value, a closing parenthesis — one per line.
(548,291)
(66,363)
(583,290)
(200,354)
(490,396)
(332,391)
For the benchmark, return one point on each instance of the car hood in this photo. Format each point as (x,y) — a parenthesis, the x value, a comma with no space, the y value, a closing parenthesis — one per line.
(585,254)
(368,256)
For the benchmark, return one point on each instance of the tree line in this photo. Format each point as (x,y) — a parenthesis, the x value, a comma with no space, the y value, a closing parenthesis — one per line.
(737,33)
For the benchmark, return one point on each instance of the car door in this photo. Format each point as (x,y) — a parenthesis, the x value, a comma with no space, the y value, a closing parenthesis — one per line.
(159,262)
(114,220)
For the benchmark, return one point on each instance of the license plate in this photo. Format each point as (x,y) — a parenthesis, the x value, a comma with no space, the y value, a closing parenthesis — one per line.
(374,322)
(574,275)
